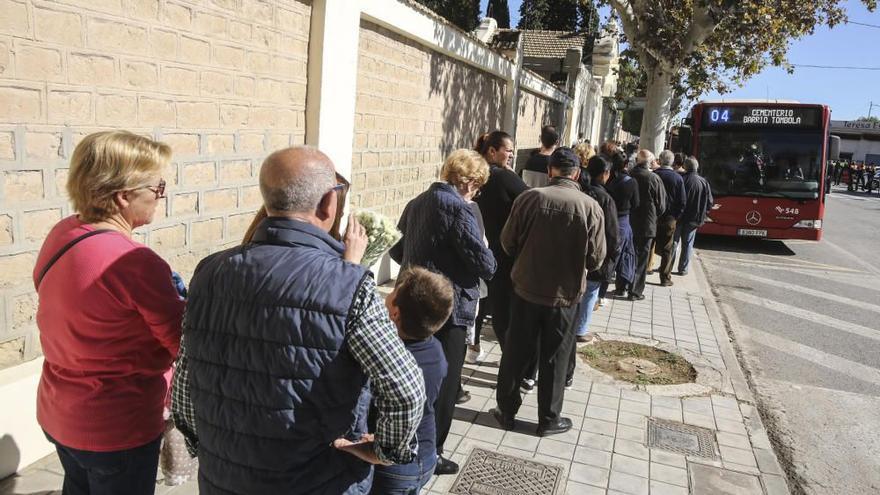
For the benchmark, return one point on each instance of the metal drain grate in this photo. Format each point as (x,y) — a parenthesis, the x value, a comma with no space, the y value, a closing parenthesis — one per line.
(681,438)
(490,473)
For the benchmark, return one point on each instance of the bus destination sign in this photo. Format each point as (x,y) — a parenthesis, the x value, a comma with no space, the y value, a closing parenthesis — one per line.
(750,116)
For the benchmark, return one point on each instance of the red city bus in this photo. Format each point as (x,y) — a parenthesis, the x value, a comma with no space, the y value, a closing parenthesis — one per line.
(766,163)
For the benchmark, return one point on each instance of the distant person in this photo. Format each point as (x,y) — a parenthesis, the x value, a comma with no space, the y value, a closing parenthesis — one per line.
(793,171)
(286,339)
(625,192)
(496,200)
(666,221)
(440,233)
(678,163)
(534,174)
(652,203)
(556,235)
(109,318)
(419,305)
(699,202)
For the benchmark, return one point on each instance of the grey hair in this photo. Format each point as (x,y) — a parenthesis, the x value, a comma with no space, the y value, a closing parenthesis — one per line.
(666,158)
(644,158)
(301,192)
(691,164)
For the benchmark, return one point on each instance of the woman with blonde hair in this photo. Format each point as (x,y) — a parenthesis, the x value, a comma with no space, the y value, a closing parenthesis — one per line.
(441,234)
(109,318)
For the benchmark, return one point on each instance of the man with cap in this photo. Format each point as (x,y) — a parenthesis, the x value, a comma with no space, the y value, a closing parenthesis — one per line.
(556,235)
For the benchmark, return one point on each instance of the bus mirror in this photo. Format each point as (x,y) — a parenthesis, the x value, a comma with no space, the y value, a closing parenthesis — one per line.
(834,147)
(684,140)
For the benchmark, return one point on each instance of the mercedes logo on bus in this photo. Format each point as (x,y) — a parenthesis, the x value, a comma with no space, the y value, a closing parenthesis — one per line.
(753,217)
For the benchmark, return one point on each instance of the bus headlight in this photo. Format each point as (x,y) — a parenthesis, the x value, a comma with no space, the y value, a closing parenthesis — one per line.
(808,224)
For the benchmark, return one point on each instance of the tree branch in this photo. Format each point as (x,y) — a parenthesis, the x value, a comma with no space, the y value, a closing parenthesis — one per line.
(702,26)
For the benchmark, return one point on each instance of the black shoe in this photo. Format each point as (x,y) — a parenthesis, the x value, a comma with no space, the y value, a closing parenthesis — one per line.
(506,422)
(620,293)
(463,396)
(569,383)
(650,272)
(636,297)
(560,426)
(445,466)
(527,386)
(681,273)
(666,283)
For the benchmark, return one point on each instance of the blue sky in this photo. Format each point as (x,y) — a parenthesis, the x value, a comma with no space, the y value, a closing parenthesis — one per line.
(847,92)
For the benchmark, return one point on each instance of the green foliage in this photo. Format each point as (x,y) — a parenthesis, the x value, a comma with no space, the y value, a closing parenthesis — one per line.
(719,44)
(559,15)
(632,120)
(499,10)
(873,119)
(463,13)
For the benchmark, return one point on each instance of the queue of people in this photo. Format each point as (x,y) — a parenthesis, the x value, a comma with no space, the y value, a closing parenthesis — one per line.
(855,175)
(291,374)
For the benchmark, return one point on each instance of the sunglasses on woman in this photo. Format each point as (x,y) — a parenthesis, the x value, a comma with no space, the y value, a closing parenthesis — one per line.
(158,190)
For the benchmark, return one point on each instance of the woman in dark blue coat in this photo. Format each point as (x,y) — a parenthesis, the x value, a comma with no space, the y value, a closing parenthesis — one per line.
(441,234)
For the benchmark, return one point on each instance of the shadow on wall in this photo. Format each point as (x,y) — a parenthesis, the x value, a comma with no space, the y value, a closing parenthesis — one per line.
(472,101)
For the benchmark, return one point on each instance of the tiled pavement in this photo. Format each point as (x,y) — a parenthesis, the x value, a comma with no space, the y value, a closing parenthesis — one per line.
(606,452)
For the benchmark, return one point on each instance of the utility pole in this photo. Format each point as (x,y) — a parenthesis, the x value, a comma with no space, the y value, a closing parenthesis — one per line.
(871,106)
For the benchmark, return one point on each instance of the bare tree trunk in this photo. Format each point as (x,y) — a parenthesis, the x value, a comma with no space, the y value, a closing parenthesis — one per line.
(657,106)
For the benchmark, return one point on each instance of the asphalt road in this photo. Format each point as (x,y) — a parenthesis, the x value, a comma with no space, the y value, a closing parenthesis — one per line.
(805,317)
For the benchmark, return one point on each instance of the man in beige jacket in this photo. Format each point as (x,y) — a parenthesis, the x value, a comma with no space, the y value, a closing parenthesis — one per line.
(556,235)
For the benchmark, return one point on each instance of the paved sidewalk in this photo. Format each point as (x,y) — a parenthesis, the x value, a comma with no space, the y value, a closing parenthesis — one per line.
(607,451)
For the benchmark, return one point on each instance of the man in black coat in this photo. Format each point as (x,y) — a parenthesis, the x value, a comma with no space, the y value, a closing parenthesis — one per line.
(652,202)
(666,222)
(699,201)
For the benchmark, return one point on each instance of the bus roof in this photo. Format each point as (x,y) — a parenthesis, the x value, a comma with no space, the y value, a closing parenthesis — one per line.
(746,100)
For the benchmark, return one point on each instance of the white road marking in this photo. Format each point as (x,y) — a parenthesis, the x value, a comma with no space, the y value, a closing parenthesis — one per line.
(849,257)
(853,328)
(863,282)
(841,365)
(861,305)
(789,265)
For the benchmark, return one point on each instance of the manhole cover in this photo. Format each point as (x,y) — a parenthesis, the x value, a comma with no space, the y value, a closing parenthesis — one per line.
(681,438)
(640,366)
(490,473)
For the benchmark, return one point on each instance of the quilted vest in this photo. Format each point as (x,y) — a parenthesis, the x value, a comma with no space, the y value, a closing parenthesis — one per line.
(272,381)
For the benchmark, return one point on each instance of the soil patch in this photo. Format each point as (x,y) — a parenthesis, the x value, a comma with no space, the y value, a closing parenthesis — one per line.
(616,359)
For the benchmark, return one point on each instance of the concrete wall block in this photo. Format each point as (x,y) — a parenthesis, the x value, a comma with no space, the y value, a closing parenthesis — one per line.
(207,232)
(163,44)
(240,31)
(142,9)
(43,145)
(117,37)
(259,10)
(182,144)
(61,182)
(22,185)
(251,197)
(251,143)
(7,234)
(216,83)
(198,115)
(139,75)
(266,37)
(245,86)
(228,56)
(17,269)
(37,224)
(185,204)
(237,225)
(220,200)
(91,69)
(58,27)
(220,144)
(36,63)
(209,24)
(70,107)
(180,80)
(15,19)
(202,173)
(235,171)
(194,51)
(116,110)
(7,146)
(177,15)
(154,112)
(6,58)
(233,116)
(168,237)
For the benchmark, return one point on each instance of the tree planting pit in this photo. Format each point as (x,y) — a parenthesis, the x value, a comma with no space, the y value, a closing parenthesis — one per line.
(638,363)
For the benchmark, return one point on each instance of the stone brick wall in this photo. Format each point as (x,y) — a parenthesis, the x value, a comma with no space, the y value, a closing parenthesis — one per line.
(413,107)
(222,81)
(534,112)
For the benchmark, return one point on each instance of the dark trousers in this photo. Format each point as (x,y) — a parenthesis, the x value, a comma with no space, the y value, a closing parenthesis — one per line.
(452,338)
(665,238)
(643,254)
(485,309)
(551,330)
(122,472)
(500,291)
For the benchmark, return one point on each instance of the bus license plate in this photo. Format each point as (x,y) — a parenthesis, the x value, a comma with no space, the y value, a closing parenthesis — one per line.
(752,232)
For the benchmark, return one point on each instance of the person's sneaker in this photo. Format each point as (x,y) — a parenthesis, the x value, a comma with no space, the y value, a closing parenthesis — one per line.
(475,357)
(569,383)
(602,302)
(681,273)
(636,297)
(506,422)
(620,293)
(463,396)
(527,386)
(585,339)
(560,426)
(666,283)
(445,466)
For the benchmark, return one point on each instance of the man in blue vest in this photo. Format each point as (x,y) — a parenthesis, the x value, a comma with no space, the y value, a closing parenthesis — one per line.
(282,335)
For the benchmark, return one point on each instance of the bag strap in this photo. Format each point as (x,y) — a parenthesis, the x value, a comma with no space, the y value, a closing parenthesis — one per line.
(66,248)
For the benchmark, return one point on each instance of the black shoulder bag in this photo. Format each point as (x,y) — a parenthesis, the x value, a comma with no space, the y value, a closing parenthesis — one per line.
(66,248)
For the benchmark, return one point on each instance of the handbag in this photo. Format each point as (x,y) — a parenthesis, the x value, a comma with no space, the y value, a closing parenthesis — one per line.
(65,249)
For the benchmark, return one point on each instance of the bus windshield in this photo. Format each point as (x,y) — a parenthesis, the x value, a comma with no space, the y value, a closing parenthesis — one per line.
(778,163)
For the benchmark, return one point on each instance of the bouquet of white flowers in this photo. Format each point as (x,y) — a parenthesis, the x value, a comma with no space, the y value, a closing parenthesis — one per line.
(382,234)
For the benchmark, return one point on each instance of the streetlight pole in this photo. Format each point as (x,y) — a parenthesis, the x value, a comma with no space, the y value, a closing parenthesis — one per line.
(871,106)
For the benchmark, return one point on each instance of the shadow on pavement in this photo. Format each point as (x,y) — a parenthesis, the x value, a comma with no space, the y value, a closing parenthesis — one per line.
(742,245)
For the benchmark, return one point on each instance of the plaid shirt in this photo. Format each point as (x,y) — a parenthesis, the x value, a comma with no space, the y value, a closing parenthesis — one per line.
(396,380)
